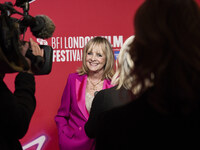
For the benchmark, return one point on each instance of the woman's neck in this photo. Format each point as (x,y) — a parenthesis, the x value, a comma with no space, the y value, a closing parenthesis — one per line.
(95,76)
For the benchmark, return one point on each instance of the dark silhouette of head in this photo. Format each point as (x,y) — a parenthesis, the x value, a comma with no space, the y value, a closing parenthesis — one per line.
(166,52)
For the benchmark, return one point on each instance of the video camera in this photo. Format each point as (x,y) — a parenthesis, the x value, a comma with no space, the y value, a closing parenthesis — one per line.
(11,59)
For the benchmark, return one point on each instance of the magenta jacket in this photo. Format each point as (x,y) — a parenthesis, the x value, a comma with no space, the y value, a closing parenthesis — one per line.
(72,115)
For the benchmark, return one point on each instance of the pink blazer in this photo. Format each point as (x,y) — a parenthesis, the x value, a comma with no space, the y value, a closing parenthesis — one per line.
(72,115)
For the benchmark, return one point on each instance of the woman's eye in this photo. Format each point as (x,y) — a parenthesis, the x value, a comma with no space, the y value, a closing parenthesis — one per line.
(99,55)
(89,53)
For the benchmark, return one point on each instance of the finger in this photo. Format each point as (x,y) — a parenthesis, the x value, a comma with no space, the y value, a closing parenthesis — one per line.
(24,48)
(35,47)
(33,44)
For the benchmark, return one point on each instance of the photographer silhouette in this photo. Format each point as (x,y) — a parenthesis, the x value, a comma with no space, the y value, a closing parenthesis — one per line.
(16,108)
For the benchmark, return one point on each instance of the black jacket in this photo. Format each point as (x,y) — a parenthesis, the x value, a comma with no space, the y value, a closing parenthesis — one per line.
(104,101)
(16,110)
(140,125)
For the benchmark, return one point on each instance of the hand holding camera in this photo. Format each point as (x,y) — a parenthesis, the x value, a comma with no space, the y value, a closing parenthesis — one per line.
(11,59)
(35,51)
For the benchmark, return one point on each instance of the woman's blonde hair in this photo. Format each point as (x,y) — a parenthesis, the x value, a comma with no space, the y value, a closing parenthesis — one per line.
(107,50)
(124,65)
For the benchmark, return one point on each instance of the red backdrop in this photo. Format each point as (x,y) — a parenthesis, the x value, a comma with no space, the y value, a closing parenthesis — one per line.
(76,22)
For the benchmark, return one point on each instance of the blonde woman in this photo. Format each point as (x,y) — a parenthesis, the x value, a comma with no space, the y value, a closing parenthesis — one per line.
(94,75)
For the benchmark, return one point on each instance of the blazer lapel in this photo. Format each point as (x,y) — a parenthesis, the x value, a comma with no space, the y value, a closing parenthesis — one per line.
(107,84)
(80,94)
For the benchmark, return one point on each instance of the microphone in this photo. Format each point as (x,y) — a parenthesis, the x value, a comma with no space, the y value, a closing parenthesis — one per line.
(41,26)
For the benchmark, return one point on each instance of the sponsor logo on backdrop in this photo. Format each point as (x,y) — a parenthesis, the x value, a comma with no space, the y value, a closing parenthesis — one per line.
(42,41)
(70,49)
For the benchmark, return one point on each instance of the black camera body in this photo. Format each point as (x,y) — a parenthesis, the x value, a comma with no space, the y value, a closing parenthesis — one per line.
(11,59)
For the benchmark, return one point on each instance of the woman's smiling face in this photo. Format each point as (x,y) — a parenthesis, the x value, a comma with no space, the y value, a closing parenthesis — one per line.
(95,59)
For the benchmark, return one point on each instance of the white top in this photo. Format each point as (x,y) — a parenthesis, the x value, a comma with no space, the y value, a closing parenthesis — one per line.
(88,101)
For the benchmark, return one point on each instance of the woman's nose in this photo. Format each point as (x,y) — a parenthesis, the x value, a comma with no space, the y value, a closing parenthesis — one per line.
(93,57)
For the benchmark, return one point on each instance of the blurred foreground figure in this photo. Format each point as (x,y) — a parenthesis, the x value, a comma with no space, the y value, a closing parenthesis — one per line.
(16,109)
(166,56)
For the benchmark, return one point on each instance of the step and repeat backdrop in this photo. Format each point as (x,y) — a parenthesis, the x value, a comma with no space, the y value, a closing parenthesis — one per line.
(76,21)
